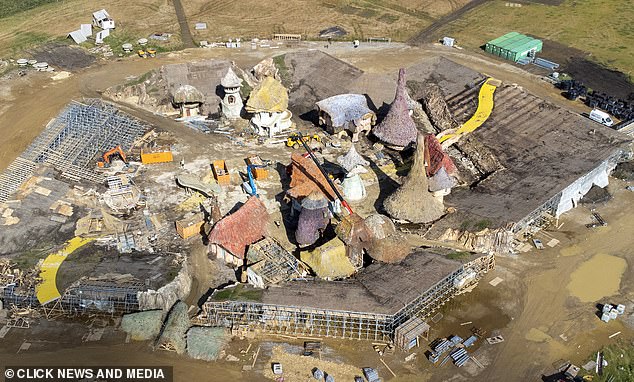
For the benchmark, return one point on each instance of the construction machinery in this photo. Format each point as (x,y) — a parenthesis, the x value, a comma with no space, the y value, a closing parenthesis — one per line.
(106,156)
(145,53)
(250,186)
(296,140)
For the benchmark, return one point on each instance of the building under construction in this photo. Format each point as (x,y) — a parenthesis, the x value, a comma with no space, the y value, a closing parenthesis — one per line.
(370,307)
(71,141)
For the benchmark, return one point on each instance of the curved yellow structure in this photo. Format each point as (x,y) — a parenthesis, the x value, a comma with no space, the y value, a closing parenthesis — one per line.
(46,291)
(485,107)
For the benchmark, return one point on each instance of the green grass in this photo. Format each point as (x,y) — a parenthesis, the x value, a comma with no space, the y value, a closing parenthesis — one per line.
(620,367)
(280,64)
(27,260)
(458,255)
(238,293)
(599,27)
(11,7)
(28,40)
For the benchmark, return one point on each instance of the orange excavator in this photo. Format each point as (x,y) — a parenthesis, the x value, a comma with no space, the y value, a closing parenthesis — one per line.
(106,156)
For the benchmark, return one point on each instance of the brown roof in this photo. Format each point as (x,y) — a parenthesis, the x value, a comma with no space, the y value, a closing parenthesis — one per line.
(245,226)
(306,178)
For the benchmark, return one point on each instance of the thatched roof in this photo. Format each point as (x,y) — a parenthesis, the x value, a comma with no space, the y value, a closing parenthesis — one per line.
(306,178)
(231,80)
(398,127)
(329,260)
(344,108)
(315,201)
(436,158)
(436,107)
(412,201)
(352,159)
(188,94)
(268,96)
(245,226)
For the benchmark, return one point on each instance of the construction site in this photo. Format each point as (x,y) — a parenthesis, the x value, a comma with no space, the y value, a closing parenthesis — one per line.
(210,202)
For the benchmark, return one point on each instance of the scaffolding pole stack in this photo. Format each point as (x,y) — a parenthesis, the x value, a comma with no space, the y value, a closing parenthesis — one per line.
(71,141)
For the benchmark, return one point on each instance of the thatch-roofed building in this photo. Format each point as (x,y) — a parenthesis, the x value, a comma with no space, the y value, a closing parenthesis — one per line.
(306,178)
(268,102)
(188,99)
(412,201)
(346,113)
(397,128)
(230,237)
(371,307)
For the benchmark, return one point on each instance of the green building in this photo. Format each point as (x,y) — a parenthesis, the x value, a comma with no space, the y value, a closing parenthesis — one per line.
(514,46)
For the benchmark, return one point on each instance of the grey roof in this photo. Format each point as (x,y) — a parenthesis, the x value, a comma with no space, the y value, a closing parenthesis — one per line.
(188,94)
(352,159)
(344,108)
(231,80)
(77,36)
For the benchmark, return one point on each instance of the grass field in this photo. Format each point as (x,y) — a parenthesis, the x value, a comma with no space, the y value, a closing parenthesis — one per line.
(602,28)
(397,19)
(53,19)
(134,19)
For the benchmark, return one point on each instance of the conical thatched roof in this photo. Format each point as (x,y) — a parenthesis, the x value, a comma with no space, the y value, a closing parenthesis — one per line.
(269,96)
(231,80)
(412,201)
(352,159)
(315,201)
(188,94)
(397,128)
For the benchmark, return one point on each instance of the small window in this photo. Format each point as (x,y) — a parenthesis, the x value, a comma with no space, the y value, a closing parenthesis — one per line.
(231,99)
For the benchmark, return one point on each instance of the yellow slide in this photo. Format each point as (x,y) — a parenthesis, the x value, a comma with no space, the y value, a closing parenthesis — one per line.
(485,107)
(46,291)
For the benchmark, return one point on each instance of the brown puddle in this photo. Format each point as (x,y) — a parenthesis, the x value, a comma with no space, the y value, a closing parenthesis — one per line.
(598,277)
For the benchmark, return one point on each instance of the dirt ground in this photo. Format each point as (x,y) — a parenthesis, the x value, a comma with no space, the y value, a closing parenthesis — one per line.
(533,308)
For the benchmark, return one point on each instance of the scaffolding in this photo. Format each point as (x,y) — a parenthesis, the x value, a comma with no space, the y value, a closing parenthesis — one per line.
(83,297)
(294,320)
(307,321)
(71,141)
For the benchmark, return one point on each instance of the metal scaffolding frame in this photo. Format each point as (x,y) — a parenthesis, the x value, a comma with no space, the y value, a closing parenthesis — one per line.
(83,297)
(71,141)
(297,320)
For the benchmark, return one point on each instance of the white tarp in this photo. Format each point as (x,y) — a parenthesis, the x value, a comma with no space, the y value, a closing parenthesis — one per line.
(86,30)
(573,193)
(77,36)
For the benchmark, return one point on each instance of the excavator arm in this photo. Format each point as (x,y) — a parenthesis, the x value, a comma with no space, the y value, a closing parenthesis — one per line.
(116,150)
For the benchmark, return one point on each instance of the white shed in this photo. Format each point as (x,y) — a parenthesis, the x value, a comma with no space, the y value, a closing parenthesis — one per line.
(448,41)
(102,20)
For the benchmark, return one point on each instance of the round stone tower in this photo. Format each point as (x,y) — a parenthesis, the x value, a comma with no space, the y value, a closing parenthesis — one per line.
(231,101)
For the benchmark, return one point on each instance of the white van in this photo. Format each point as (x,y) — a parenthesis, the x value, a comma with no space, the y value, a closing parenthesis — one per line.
(601,117)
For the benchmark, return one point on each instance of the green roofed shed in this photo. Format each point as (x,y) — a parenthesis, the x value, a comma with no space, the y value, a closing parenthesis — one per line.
(514,46)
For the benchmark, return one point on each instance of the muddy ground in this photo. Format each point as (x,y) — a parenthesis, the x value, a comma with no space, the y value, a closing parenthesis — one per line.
(63,56)
(536,308)
(531,308)
(578,64)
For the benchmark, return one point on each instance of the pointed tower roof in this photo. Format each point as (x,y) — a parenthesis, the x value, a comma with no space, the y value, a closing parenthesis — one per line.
(231,80)
(397,128)
(412,201)
(352,159)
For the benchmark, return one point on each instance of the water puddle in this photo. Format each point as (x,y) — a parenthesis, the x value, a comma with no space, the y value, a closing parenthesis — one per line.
(597,278)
